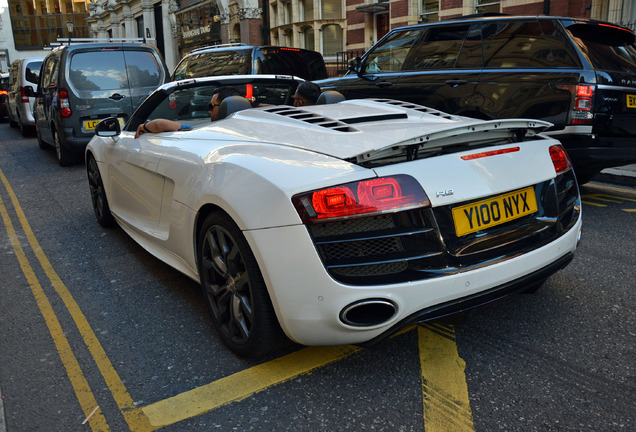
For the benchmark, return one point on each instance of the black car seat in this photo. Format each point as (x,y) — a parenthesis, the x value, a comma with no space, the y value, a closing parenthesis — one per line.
(329,97)
(232,104)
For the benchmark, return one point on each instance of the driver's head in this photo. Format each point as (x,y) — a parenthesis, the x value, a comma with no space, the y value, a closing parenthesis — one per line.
(306,94)
(220,93)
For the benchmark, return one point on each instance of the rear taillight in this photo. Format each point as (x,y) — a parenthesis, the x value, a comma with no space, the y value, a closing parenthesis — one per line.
(23,97)
(3,93)
(362,198)
(560,159)
(580,112)
(64,103)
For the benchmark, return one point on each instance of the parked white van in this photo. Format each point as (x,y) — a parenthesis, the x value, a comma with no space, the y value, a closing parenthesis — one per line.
(24,72)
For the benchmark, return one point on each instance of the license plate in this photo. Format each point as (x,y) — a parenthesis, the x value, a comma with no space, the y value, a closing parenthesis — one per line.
(494,211)
(631,101)
(90,124)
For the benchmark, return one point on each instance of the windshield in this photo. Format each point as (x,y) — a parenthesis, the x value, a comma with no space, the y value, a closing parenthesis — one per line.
(189,103)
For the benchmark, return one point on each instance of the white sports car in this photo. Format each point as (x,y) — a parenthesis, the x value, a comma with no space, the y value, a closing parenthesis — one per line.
(339,223)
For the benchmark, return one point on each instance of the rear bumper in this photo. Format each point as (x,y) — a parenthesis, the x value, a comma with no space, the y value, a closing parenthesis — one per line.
(591,153)
(71,142)
(476,300)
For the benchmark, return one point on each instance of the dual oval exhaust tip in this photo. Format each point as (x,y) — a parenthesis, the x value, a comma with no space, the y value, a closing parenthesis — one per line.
(368,312)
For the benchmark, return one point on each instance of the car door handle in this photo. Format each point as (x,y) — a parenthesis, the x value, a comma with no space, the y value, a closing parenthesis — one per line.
(455,83)
(116,96)
(384,84)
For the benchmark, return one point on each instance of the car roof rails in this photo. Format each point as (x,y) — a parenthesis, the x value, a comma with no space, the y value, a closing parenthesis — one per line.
(218,46)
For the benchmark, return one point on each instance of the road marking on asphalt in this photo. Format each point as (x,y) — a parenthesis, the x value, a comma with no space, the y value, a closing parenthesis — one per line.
(84,394)
(444,388)
(133,416)
(592,199)
(243,384)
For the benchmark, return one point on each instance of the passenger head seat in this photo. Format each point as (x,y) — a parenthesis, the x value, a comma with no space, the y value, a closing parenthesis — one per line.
(329,97)
(232,104)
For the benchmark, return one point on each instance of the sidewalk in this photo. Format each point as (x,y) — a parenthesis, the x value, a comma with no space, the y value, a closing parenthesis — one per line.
(625,175)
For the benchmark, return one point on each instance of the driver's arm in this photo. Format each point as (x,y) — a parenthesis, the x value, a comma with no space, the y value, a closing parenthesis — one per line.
(156,126)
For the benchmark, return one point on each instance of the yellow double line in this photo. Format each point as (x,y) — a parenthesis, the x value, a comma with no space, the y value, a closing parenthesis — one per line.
(445,394)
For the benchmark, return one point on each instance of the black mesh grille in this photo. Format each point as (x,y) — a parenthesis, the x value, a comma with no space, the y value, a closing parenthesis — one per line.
(420,244)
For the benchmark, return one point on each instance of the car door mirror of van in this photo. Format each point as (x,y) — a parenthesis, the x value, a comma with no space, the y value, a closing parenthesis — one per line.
(109,127)
(29,92)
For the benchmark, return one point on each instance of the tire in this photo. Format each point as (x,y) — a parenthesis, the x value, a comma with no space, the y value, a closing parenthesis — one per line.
(41,143)
(98,194)
(234,290)
(64,157)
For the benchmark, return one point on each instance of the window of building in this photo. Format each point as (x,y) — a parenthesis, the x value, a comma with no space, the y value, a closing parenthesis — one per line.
(140,26)
(483,6)
(306,10)
(331,9)
(36,25)
(429,10)
(332,42)
(307,39)
(288,13)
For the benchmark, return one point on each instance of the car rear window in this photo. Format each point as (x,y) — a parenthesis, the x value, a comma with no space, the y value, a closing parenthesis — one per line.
(230,62)
(607,47)
(110,70)
(308,65)
(32,72)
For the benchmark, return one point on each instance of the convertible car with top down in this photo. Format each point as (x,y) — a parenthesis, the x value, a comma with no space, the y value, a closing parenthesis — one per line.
(338,223)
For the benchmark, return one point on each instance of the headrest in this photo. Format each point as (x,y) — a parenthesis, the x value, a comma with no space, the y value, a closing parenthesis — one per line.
(232,104)
(329,97)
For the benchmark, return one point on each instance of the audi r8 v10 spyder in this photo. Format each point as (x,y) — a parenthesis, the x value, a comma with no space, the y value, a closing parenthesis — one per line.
(338,223)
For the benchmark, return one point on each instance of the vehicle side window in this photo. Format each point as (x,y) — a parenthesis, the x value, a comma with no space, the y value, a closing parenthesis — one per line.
(50,71)
(607,48)
(391,54)
(440,48)
(32,72)
(522,44)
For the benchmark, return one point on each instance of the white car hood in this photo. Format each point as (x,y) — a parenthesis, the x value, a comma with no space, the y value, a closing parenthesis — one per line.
(363,130)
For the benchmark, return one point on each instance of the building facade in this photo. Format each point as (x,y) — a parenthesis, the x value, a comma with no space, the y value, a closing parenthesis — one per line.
(339,29)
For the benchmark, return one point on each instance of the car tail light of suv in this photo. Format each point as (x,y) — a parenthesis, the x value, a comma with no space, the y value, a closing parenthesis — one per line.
(581,108)
(64,103)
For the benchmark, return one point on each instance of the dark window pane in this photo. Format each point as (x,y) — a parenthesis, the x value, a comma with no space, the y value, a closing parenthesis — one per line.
(517,44)
(439,48)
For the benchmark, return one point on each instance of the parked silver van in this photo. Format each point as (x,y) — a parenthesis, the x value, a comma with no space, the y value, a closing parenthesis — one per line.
(24,72)
(84,83)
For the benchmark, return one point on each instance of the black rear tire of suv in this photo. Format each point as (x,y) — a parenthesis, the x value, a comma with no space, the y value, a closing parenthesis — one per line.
(64,157)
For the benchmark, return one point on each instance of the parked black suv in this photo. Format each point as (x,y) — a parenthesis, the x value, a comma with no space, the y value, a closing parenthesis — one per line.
(84,83)
(578,74)
(241,59)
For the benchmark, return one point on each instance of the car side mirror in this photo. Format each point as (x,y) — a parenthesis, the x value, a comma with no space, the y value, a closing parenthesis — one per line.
(29,92)
(109,127)
(354,65)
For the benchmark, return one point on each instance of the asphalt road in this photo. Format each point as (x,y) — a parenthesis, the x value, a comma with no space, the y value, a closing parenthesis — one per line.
(93,326)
